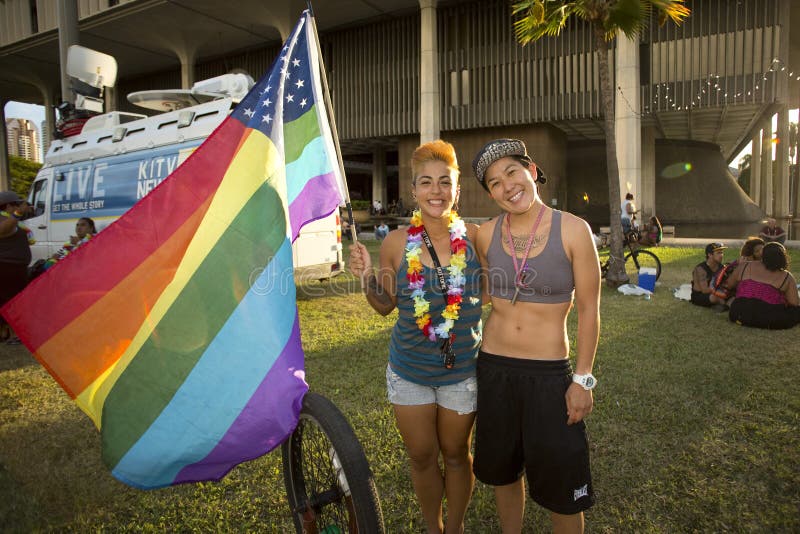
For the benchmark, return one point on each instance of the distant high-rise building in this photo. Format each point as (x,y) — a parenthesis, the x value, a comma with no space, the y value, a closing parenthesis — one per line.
(44,139)
(23,139)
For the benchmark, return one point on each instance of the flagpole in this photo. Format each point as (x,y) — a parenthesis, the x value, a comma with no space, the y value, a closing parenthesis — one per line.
(329,105)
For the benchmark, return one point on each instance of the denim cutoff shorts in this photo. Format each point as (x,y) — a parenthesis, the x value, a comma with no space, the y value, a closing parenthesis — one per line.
(461,397)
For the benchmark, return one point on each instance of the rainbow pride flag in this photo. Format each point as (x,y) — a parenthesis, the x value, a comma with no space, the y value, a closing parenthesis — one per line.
(176,328)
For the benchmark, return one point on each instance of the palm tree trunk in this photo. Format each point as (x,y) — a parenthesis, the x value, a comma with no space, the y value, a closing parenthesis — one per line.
(616,273)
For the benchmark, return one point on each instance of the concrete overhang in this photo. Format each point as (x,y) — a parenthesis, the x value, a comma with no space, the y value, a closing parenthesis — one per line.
(149,36)
(727,126)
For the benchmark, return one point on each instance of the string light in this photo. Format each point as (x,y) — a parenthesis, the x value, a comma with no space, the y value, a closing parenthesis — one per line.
(708,88)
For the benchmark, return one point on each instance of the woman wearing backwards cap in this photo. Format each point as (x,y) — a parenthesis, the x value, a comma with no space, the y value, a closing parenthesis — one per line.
(15,251)
(530,405)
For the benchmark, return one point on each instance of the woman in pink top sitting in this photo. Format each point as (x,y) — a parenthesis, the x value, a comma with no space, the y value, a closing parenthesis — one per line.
(766,292)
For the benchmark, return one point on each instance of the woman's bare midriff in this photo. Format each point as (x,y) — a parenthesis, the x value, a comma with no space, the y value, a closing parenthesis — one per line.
(529,330)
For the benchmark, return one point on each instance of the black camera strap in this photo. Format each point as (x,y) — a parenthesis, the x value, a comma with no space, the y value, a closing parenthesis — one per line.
(437,264)
(448,356)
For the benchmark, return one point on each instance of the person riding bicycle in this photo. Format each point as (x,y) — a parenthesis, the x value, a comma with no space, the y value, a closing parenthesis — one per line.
(628,214)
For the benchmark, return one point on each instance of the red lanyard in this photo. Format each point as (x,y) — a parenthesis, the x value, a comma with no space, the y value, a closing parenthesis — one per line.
(519,269)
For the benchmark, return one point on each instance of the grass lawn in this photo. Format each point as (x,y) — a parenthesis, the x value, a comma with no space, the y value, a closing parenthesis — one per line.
(695,428)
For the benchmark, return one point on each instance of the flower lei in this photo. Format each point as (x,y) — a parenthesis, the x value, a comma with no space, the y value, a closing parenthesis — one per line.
(455,282)
(65,250)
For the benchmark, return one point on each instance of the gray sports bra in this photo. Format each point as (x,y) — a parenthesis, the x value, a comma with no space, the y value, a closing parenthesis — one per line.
(549,275)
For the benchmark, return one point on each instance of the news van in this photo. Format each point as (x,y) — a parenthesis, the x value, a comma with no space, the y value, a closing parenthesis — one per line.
(115,159)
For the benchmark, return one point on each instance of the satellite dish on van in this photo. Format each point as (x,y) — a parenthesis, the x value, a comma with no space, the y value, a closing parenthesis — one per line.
(91,67)
(170,100)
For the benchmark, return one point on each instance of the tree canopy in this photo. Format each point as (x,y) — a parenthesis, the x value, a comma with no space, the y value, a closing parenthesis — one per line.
(536,19)
(546,18)
(22,172)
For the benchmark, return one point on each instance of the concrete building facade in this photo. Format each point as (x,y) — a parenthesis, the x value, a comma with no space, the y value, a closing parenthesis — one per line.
(405,71)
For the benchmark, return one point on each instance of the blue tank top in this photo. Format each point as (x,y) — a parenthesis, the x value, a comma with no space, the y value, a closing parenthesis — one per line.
(418,359)
(549,278)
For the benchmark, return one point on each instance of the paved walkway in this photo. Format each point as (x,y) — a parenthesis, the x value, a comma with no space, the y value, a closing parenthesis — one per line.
(703,241)
(698,242)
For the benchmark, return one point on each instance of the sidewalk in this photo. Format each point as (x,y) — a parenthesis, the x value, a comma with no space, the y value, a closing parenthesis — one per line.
(697,242)
(703,241)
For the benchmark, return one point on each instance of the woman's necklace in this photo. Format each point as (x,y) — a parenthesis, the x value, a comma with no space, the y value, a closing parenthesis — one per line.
(521,269)
(520,243)
(455,282)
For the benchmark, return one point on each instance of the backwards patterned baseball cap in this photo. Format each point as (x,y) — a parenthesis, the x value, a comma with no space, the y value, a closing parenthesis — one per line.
(711,248)
(498,149)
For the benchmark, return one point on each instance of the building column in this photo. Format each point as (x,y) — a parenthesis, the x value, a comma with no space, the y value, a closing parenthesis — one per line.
(766,168)
(429,125)
(648,174)
(5,175)
(110,98)
(49,125)
(67,36)
(755,169)
(282,14)
(627,115)
(781,178)
(186,58)
(379,176)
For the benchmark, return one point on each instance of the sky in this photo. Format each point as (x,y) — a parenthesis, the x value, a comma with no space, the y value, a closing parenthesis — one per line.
(32,112)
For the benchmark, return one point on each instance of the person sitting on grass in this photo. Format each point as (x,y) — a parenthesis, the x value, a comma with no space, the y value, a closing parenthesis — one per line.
(381,231)
(751,251)
(772,233)
(652,233)
(766,292)
(346,229)
(703,274)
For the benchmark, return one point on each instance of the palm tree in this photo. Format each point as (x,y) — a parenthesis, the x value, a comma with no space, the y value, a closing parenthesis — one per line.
(535,19)
(744,163)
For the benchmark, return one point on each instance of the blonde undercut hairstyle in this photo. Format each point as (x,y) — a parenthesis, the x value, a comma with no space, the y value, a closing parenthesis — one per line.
(434,151)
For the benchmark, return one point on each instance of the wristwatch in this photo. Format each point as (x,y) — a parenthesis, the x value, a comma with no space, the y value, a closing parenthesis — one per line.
(587,382)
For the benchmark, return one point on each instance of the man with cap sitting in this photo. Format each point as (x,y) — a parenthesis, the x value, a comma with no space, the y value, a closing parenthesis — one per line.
(15,251)
(772,233)
(703,273)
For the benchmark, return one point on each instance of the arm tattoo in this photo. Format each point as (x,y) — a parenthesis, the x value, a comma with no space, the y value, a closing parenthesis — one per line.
(376,293)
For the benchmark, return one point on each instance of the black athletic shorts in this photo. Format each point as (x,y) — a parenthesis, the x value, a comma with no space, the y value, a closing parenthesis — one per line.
(522,428)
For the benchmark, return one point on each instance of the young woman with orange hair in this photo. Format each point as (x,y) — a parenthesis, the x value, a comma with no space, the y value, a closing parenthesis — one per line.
(430,273)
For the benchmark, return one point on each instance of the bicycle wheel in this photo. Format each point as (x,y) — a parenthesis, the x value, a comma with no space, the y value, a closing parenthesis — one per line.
(638,259)
(328,479)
